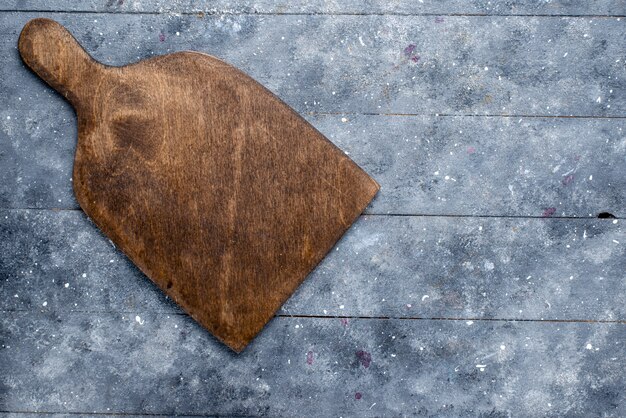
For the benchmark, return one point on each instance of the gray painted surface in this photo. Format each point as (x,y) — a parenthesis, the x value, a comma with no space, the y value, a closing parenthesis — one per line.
(82,332)
(424,164)
(390,266)
(82,414)
(487,165)
(517,166)
(519,7)
(375,64)
(161,363)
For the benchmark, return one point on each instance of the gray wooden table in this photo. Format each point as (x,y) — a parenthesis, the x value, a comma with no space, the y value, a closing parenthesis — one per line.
(488,277)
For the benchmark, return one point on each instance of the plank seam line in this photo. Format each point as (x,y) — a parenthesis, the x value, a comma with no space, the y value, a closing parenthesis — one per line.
(443,318)
(363,317)
(390,215)
(464,115)
(202,13)
(444,215)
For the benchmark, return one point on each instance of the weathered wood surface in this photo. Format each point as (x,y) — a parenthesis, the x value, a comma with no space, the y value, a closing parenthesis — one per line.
(571,363)
(166,364)
(425,165)
(379,64)
(488,166)
(518,166)
(411,7)
(389,266)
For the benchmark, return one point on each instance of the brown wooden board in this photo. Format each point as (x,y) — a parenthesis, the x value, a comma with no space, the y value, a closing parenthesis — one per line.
(217,190)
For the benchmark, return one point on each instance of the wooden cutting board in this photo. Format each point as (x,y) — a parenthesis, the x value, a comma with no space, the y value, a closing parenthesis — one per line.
(216,189)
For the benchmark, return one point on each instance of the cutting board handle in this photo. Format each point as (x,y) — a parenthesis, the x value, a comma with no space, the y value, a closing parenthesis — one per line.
(55,55)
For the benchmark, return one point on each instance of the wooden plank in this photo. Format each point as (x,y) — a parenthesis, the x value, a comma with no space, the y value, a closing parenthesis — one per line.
(487,166)
(385,266)
(377,64)
(83,414)
(145,363)
(37,136)
(433,267)
(441,7)
(425,165)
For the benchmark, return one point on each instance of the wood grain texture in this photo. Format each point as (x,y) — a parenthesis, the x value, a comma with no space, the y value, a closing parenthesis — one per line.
(214,188)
